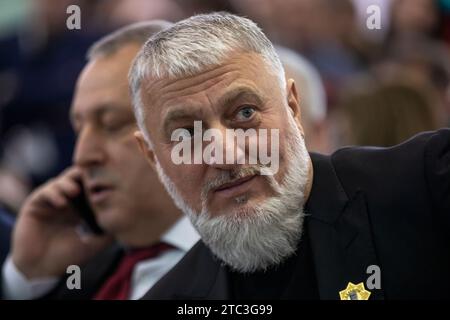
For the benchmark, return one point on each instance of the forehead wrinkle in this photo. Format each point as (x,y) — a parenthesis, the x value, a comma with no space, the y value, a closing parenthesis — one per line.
(236,62)
(178,97)
(233,90)
(177,113)
(177,92)
(175,85)
(200,82)
(171,91)
(205,76)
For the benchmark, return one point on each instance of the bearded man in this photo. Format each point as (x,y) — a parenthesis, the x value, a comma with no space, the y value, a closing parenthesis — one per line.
(361,223)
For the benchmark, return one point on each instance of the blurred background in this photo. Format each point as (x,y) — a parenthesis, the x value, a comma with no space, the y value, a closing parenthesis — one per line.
(358,85)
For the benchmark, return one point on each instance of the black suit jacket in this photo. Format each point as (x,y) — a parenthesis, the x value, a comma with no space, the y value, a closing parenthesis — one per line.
(93,275)
(388,207)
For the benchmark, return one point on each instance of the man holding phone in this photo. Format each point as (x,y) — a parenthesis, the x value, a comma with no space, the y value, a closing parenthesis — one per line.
(144,234)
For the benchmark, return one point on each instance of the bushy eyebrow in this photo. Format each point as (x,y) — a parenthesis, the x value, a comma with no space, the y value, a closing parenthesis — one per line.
(240,93)
(227,99)
(98,111)
(180,113)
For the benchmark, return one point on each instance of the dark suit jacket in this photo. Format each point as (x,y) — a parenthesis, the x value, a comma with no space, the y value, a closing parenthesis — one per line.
(93,275)
(388,207)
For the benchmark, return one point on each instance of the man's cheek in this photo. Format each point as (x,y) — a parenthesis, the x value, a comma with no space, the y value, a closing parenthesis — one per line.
(188,179)
(126,143)
(164,155)
(283,158)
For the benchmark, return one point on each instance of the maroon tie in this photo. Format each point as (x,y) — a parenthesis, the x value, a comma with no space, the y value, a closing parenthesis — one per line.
(117,287)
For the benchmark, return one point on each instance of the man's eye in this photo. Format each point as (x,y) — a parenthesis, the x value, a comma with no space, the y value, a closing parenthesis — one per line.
(116,125)
(245,113)
(113,127)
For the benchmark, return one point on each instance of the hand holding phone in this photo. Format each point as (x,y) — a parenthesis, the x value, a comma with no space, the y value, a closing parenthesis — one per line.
(45,239)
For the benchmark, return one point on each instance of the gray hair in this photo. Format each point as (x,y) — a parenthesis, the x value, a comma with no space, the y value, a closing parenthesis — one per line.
(137,33)
(194,45)
(309,82)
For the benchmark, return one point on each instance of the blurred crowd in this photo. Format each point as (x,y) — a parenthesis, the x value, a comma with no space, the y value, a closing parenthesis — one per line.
(357,85)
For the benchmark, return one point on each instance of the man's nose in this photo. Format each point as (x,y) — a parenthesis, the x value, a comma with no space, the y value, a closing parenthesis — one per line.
(233,154)
(88,149)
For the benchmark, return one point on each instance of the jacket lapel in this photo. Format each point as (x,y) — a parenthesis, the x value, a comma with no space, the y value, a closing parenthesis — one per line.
(93,275)
(340,233)
(210,280)
(341,240)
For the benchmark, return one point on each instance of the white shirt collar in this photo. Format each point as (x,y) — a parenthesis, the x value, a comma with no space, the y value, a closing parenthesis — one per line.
(181,235)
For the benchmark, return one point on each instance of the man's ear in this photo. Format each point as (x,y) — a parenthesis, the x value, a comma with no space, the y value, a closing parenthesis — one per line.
(145,149)
(292,99)
(293,102)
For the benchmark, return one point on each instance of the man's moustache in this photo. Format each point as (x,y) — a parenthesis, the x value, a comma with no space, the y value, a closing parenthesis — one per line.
(229,177)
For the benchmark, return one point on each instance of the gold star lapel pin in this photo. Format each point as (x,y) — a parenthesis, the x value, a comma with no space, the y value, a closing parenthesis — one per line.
(354,292)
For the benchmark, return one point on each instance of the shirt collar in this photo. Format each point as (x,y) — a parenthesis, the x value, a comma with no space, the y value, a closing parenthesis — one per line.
(181,235)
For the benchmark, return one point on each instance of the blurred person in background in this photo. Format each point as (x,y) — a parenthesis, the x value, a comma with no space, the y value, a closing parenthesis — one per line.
(118,13)
(414,18)
(384,113)
(192,7)
(295,24)
(325,31)
(425,63)
(416,37)
(145,234)
(39,63)
(312,98)
(366,11)
(444,6)
(416,41)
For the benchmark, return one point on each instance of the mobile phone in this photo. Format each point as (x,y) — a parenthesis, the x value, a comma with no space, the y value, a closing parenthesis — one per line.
(81,205)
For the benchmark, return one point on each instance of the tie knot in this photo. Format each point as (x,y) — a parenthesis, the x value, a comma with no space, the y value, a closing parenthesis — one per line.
(137,254)
(118,285)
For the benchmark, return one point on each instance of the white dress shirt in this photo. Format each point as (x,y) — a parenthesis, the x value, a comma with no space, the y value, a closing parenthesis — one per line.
(182,236)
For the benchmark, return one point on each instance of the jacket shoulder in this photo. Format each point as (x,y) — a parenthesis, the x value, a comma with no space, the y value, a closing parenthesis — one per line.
(414,163)
(193,274)
(94,272)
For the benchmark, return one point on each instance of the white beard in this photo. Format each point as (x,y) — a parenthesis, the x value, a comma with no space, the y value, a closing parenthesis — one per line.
(265,234)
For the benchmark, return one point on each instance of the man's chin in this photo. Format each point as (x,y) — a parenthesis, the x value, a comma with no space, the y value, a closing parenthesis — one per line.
(109,219)
(243,204)
(243,240)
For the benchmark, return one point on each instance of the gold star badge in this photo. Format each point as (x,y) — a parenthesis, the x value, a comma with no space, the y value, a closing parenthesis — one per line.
(354,292)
